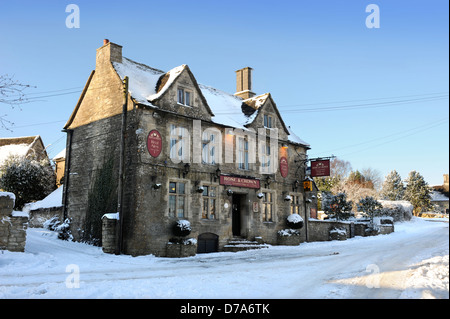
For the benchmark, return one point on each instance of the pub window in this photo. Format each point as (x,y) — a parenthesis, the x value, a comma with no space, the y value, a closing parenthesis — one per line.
(184,97)
(179,143)
(210,148)
(265,157)
(209,202)
(267,207)
(177,199)
(267,121)
(295,204)
(243,153)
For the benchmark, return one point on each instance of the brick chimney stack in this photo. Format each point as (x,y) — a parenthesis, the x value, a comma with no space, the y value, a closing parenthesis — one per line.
(244,83)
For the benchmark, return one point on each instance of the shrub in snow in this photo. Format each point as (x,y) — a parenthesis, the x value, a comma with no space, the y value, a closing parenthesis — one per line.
(62,228)
(29,179)
(338,234)
(337,206)
(288,232)
(399,210)
(181,228)
(370,207)
(294,221)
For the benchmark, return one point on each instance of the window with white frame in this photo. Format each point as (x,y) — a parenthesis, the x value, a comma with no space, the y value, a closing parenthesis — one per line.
(243,153)
(184,97)
(179,144)
(267,207)
(177,199)
(209,202)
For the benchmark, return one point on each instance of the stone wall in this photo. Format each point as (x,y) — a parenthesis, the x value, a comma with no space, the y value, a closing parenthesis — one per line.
(12,227)
(109,235)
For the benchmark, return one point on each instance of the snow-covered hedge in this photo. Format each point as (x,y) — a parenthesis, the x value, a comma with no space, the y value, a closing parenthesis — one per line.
(399,210)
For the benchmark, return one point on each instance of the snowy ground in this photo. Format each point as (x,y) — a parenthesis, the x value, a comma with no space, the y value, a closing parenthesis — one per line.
(412,262)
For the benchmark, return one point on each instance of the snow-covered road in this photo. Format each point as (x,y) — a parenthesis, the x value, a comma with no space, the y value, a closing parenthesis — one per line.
(412,262)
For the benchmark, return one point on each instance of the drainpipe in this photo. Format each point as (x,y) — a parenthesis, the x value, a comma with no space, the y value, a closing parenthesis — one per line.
(67,170)
(119,225)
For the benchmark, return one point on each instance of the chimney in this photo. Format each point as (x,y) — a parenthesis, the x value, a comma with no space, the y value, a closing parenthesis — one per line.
(109,52)
(244,83)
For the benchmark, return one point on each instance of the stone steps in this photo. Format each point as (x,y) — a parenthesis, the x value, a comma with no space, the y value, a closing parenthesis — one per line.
(236,244)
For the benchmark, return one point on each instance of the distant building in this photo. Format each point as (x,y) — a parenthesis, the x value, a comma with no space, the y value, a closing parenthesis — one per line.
(227,163)
(60,166)
(29,146)
(440,196)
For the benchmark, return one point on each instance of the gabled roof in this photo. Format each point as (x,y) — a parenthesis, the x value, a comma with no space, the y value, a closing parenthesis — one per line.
(147,85)
(18,146)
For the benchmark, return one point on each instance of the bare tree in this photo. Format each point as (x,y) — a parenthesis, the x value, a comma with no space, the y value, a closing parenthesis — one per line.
(12,93)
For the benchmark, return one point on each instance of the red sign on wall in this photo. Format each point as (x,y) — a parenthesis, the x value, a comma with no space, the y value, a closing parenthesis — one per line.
(239,181)
(320,168)
(154,143)
(284,168)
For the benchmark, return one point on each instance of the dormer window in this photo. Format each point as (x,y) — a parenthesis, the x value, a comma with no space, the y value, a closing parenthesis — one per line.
(184,97)
(267,121)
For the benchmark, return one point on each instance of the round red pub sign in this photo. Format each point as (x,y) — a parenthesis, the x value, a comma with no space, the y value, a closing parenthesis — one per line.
(154,143)
(284,168)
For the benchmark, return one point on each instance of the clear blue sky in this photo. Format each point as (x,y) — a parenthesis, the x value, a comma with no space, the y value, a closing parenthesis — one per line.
(308,54)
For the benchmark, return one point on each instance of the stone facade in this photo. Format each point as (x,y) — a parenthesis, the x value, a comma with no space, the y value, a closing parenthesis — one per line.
(13,228)
(155,187)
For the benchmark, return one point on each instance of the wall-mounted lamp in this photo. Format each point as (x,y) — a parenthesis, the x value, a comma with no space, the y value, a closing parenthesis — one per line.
(199,188)
(187,168)
(218,172)
(284,145)
(156,186)
(287,198)
(260,195)
(229,192)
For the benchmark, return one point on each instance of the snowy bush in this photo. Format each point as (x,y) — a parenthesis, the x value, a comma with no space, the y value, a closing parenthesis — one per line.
(181,228)
(29,179)
(370,206)
(337,206)
(288,232)
(294,221)
(62,228)
(399,210)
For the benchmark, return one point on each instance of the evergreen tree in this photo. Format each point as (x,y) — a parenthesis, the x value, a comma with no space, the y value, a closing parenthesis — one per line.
(417,192)
(393,188)
(370,206)
(29,179)
(337,206)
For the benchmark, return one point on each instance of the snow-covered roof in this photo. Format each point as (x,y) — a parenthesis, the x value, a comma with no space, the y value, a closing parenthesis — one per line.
(295,139)
(438,197)
(16,146)
(54,199)
(147,84)
(61,154)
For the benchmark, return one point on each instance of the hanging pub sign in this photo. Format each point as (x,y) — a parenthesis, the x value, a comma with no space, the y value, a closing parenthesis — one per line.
(284,168)
(320,168)
(154,143)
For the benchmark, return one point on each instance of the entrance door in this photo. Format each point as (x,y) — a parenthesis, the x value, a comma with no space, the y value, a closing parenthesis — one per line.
(236,215)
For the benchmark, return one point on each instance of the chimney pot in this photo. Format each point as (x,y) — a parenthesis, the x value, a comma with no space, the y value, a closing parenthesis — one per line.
(105,41)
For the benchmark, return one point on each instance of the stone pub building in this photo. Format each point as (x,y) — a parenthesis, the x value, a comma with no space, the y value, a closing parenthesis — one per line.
(163,147)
